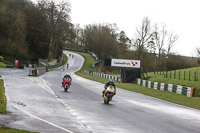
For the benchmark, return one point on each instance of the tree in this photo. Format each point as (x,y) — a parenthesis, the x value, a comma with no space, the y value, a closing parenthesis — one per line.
(101,39)
(143,36)
(13,31)
(171,42)
(37,33)
(124,43)
(160,38)
(56,14)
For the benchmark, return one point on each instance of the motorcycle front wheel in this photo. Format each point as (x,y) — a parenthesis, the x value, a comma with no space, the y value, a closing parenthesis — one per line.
(108,100)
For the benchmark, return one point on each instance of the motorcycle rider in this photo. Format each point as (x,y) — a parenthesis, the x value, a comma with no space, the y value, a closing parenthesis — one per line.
(67,76)
(111,82)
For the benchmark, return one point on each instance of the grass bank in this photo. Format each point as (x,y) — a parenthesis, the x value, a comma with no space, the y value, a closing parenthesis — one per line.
(179,80)
(2,98)
(8,130)
(192,102)
(2,65)
(65,58)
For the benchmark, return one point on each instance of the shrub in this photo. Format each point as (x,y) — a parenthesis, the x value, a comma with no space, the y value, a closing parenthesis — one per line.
(1,58)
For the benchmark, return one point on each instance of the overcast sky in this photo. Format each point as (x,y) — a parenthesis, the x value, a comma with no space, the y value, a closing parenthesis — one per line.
(180,16)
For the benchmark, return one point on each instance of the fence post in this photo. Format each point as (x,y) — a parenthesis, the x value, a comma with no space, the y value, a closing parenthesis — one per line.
(175,74)
(184,75)
(179,74)
(195,74)
(170,74)
(189,75)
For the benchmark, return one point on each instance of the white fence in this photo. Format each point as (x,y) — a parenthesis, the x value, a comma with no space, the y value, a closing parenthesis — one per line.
(102,75)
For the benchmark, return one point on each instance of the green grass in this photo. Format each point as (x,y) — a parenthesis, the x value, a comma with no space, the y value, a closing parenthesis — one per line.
(194,84)
(2,98)
(8,130)
(193,102)
(65,58)
(118,75)
(2,65)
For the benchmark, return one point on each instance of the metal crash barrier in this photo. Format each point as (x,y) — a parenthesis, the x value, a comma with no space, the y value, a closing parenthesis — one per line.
(37,71)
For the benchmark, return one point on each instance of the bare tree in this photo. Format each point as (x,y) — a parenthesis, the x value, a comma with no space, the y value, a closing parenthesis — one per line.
(143,36)
(198,51)
(160,38)
(171,42)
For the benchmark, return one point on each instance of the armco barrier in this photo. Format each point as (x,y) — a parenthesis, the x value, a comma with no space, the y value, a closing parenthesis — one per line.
(37,71)
(9,66)
(188,91)
(102,75)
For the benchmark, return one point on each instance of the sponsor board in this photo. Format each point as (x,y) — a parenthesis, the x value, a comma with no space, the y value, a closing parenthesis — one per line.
(125,63)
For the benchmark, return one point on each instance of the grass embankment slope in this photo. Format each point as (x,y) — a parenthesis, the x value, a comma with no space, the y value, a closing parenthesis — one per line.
(192,102)
(2,98)
(184,82)
(8,130)
(2,65)
(65,58)
(3,111)
(176,79)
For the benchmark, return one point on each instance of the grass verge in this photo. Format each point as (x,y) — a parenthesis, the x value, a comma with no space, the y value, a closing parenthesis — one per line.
(8,130)
(2,98)
(194,84)
(192,102)
(2,65)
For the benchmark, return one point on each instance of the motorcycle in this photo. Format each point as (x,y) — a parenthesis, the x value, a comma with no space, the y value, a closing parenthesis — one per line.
(66,84)
(108,94)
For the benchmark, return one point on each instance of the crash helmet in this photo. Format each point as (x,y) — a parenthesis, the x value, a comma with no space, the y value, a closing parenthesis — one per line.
(111,81)
(67,74)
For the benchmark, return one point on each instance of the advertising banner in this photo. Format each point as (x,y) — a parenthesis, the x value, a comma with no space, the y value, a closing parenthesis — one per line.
(125,63)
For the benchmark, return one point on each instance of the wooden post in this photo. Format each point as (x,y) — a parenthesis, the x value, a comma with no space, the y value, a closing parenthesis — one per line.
(179,74)
(170,74)
(184,75)
(175,74)
(189,75)
(195,76)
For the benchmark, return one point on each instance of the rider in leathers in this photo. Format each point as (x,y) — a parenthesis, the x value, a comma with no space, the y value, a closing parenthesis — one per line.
(111,82)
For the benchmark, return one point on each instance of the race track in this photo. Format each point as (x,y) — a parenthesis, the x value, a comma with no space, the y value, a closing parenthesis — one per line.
(40,104)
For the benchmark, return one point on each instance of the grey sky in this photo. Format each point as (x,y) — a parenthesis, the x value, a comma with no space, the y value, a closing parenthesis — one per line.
(180,17)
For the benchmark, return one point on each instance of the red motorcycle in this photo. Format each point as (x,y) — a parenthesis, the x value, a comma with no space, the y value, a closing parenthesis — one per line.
(66,84)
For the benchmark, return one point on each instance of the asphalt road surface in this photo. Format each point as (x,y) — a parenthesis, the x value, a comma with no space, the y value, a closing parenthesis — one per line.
(40,104)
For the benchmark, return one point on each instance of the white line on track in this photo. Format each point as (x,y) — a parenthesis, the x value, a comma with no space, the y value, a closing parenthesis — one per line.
(64,129)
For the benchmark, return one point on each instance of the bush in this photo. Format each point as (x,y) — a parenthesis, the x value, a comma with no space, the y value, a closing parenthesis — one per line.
(1,58)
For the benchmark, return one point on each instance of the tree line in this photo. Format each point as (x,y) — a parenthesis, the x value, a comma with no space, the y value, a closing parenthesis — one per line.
(31,31)
(152,44)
